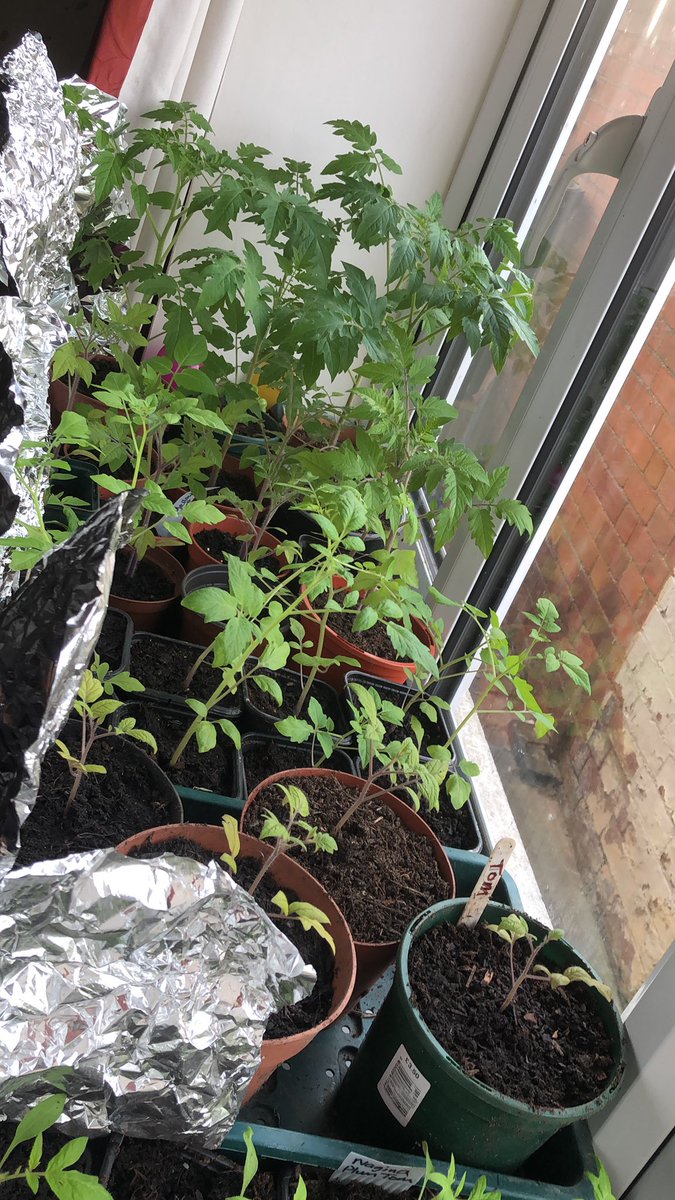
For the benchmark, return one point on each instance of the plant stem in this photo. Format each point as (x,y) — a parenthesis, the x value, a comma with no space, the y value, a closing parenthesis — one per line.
(511,994)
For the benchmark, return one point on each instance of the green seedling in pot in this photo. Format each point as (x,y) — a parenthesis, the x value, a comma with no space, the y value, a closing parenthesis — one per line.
(40,472)
(296,832)
(601,1183)
(514,928)
(94,704)
(450,1186)
(57,1172)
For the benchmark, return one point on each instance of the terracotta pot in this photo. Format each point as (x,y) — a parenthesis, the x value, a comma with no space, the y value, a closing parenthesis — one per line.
(372,958)
(287,874)
(59,391)
(335,646)
(233,523)
(147,615)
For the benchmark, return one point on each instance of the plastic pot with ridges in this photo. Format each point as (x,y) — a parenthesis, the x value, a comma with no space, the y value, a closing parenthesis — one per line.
(372,958)
(336,646)
(436,1100)
(147,615)
(287,873)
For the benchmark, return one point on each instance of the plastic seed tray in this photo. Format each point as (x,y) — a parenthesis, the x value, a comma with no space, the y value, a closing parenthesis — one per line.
(296,1118)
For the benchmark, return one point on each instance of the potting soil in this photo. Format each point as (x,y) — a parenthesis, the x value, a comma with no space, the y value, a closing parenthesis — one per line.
(52,1142)
(382,874)
(214,771)
(147,1170)
(549,1049)
(110,644)
(294,1018)
(148,581)
(106,809)
(164,665)
(292,686)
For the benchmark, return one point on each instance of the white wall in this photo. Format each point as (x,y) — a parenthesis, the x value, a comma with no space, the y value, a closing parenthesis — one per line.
(416,72)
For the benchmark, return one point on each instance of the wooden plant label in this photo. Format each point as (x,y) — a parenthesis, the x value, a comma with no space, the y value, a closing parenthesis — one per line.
(482,892)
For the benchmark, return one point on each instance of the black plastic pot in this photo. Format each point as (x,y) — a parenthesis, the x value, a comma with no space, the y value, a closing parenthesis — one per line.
(125,624)
(78,485)
(263,722)
(231,707)
(338,760)
(212,800)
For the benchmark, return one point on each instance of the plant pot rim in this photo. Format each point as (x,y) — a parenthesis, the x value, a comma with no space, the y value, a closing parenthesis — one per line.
(170,567)
(428,919)
(252,847)
(409,817)
(229,515)
(350,650)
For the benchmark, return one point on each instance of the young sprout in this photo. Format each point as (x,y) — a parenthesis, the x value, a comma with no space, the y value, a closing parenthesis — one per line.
(448,1186)
(74,1185)
(512,929)
(309,916)
(95,702)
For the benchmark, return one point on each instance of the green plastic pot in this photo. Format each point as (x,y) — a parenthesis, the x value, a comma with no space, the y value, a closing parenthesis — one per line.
(438,1102)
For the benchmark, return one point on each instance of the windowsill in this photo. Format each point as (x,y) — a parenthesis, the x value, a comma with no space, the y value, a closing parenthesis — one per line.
(495,811)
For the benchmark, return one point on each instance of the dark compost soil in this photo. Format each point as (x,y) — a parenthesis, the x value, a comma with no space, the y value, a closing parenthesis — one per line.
(110,644)
(550,1050)
(52,1142)
(267,757)
(163,665)
(106,809)
(148,581)
(291,686)
(453,827)
(382,874)
(375,640)
(218,543)
(241,485)
(215,771)
(294,1018)
(146,1170)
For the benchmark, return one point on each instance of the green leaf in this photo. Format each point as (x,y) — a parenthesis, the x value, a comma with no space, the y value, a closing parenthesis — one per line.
(116,486)
(68,1154)
(144,737)
(35,1156)
(251,1161)
(294,729)
(269,686)
(230,731)
(410,648)
(516,514)
(206,736)
(73,428)
(33,1182)
(213,604)
(75,1185)
(38,1119)
(469,768)
(201,511)
(459,790)
(482,527)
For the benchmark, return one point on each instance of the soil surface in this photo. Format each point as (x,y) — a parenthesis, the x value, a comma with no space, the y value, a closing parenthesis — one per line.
(218,543)
(291,686)
(215,771)
(148,581)
(146,1170)
(550,1050)
(106,809)
(110,644)
(294,1018)
(241,485)
(164,665)
(453,827)
(375,640)
(265,758)
(382,874)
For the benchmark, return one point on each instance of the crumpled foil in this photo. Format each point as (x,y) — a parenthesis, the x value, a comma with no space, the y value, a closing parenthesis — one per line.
(48,629)
(40,166)
(45,189)
(142,987)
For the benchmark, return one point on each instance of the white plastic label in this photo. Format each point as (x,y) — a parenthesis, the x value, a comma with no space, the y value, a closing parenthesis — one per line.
(403,1087)
(390,1177)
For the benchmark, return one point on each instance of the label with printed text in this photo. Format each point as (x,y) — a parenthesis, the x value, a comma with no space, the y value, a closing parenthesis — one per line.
(403,1087)
(390,1177)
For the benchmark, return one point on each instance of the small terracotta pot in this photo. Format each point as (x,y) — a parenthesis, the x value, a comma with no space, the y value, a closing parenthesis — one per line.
(372,958)
(147,615)
(233,523)
(59,391)
(289,874)
(335,646)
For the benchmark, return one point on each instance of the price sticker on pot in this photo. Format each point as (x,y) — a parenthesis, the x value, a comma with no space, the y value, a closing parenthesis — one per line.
(403,1087)
(489,878)
(389,1177)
